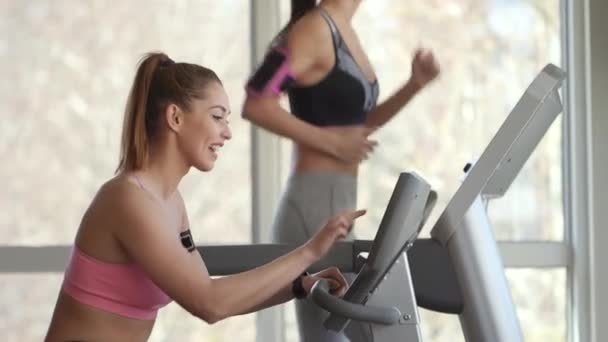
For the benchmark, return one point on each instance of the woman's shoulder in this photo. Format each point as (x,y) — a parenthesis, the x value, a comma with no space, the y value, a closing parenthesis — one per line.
(113,198)
(115,209)
(120,184)
(119,191)
(312,26)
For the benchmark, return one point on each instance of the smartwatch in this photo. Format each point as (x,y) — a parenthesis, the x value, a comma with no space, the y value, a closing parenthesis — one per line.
(297,288)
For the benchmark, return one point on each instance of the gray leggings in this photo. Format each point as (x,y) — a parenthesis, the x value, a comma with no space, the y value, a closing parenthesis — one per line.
(308,202)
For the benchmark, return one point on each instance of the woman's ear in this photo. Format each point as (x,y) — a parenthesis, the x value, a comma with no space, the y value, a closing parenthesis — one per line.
(174,117)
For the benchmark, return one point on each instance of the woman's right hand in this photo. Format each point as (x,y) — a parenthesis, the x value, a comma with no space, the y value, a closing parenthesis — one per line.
(334,230)
(351,144)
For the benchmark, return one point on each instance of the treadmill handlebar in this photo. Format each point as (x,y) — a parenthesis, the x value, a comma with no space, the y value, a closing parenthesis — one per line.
(370,314)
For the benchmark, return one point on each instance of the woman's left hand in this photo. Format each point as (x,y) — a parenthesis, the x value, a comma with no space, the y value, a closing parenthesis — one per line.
(337,283)
(424,67)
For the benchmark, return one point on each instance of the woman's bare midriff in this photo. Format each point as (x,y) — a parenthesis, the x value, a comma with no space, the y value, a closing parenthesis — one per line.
(74,321)
(311,160)
(308,159)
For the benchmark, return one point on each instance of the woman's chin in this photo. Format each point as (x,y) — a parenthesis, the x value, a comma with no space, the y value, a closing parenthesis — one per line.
(205,166)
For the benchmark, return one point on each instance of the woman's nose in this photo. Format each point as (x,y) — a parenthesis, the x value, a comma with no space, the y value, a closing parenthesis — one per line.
(226,133)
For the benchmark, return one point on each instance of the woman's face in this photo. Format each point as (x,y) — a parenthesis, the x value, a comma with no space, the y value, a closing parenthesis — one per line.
(205,128)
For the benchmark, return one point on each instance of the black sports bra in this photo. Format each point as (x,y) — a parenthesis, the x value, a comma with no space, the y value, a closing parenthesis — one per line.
(344,97)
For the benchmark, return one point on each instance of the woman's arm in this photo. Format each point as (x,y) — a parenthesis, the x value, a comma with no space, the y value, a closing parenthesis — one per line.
(266,112)
(337,282)
(307,45)
(385,111)
(282,296)
(424,70)
(149,240)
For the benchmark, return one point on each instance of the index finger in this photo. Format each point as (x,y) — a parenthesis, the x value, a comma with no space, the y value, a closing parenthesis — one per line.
(353,214)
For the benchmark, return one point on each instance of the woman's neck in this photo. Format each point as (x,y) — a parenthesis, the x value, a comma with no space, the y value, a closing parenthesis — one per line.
(163,172)
(345,8)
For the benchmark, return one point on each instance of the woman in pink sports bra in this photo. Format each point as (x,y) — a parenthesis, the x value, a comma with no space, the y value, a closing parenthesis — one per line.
(133,253)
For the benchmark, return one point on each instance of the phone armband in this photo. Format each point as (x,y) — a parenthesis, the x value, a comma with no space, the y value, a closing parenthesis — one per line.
(273,75)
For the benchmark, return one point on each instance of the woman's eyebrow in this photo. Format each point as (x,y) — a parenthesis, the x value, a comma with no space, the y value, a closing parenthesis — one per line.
(222,108)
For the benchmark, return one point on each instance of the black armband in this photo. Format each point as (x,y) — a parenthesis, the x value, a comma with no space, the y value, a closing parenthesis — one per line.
(187,241)
(273,76)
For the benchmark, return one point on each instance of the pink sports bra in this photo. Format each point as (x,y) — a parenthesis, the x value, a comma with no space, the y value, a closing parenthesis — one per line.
(123,289)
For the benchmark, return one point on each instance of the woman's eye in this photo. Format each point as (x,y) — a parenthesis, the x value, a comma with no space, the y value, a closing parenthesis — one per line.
(220,118)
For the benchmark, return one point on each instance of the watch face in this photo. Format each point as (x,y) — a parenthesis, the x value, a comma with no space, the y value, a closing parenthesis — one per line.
(186,239)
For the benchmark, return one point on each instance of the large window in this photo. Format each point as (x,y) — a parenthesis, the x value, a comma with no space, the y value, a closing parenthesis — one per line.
(489,50)
(67,67)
